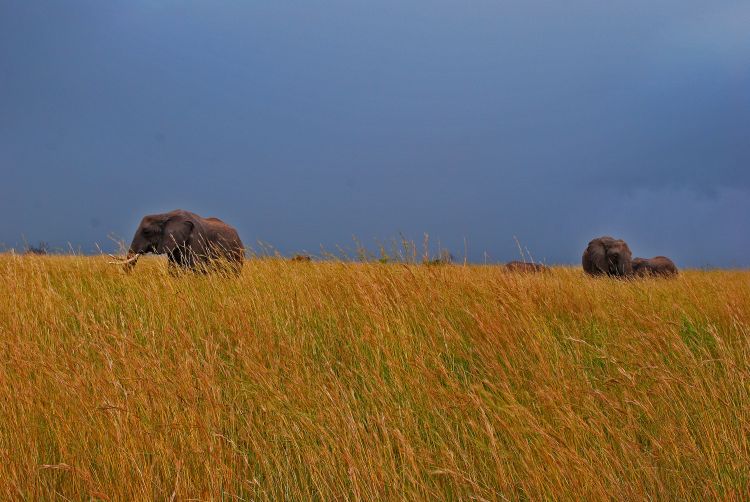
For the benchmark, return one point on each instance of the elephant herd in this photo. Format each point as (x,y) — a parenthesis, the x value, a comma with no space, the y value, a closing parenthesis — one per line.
(195,243)
(609,256)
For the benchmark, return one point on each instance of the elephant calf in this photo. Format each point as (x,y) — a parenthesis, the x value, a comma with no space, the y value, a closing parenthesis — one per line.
(188,240)
(608,256)
(656,266)
(522,266)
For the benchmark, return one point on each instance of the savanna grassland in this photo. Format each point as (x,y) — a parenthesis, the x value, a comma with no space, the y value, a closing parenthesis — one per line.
(362,381)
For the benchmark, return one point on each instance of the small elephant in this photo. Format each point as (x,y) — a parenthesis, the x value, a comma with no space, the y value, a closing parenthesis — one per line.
(522,266)
(189,241)
(656,266)
(607,256)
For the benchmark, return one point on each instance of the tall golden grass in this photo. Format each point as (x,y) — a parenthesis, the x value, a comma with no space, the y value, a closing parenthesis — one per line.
(332,380)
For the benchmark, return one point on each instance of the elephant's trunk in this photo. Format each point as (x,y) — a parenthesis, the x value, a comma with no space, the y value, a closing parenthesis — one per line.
(139,246)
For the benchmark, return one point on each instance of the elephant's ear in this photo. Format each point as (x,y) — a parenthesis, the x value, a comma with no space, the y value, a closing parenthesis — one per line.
(177,232)
(598,257)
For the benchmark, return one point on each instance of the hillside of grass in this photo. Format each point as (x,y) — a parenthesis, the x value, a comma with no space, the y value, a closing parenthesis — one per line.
(365,381)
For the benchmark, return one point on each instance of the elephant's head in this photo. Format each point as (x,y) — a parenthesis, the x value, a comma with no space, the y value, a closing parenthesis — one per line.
(168,233)
(619,259)
(610,256)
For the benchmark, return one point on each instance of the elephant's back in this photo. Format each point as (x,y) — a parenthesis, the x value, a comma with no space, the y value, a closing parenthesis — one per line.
(665,264)
(225,236)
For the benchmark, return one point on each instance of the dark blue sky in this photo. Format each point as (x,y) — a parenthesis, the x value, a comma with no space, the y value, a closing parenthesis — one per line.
(305,123)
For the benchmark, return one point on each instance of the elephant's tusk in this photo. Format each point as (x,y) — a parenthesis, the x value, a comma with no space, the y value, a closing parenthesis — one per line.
(123,261)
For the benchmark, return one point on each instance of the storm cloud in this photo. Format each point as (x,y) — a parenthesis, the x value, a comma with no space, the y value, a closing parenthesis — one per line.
(303,125)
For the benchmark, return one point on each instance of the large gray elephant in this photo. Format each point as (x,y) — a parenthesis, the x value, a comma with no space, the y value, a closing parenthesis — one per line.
(607,256)
(656,266)
(188,240)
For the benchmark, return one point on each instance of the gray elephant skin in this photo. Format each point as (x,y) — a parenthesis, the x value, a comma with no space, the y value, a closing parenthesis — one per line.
(656,266)
(607,256)
(190,242)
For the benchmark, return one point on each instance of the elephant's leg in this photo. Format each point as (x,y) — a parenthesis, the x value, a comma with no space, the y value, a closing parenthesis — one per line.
(176,262)
(194,260)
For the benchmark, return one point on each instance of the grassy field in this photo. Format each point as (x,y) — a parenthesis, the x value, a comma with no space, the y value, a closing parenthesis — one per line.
(331,380)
